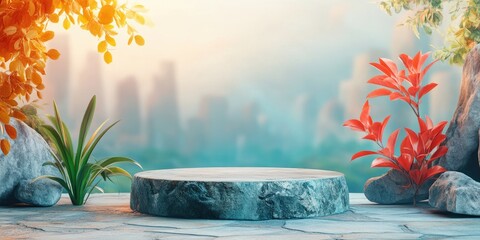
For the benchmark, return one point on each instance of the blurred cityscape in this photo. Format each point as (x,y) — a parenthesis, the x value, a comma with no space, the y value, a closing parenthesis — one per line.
(236,130)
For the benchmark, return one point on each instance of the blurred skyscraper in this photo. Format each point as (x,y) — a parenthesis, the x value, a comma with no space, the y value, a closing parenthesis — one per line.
(88,83)
(305,111)
(213,112)
(58,78)
(127,110)
(352,92)
(163,122)
(329,122)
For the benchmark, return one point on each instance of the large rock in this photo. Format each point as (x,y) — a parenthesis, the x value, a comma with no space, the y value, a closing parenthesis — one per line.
(462,134)
(239,193)
(457,193)
(24,162)
(393,188)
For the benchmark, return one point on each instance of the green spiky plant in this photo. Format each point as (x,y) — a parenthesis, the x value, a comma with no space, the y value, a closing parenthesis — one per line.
(80,175)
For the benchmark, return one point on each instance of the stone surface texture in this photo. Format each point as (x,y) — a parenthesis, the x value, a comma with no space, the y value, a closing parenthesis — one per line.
(390,189)
(24,162)
(42,193)
(456,192)
(108,216)
(462,133)
(240,193)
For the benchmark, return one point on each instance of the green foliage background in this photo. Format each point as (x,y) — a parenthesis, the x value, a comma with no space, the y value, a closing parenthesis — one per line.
(462,16)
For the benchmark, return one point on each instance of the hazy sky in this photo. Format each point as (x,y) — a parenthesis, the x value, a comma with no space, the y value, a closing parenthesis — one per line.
(255,50)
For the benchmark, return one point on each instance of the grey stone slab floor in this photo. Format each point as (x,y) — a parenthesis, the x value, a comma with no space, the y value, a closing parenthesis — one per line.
(108,216)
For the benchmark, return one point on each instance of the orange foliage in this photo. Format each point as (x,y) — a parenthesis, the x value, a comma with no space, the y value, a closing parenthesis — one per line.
(23,54)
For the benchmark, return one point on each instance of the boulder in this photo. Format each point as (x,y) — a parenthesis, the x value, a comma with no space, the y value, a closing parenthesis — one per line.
(28,153)
(462,134)
(457,193)
(392,188)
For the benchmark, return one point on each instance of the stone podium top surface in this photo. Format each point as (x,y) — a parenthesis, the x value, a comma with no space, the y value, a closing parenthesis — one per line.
(108,216)
(237,174)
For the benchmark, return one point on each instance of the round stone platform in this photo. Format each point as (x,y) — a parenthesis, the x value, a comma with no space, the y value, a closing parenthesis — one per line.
(239,193)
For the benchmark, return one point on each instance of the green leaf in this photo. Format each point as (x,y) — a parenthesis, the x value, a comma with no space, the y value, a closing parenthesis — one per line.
(78,175)
(92,138)
(90,149)
(117,171)
(53,178)
(112,160)
(87,120)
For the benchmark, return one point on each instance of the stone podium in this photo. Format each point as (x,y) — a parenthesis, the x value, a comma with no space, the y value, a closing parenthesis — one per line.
(239,193)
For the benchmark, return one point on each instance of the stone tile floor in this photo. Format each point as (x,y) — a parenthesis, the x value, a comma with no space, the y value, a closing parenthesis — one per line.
(108,216)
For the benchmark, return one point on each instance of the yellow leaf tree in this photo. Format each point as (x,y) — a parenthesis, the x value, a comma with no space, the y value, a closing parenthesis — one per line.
(23,53)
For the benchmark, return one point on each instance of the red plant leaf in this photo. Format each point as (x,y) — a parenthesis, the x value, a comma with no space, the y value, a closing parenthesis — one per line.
(390,65)
(354,124)
(407,62)
(441,151)
(434,171)
(416,61)
(426,89)
(370,137)
(421,157)
(381,80)
(379,92)
(413,90)
(382,68)
(423,58)
(395,96)
(392,140)
(412,136)
(362,154)
(429,122)
(439,128)
(385,152)
(421,143)
(425,70)
(416,176)
(439,139)
(365,115)
(384,125)
(405,161)
(376,129)
(422,125)
(414,79)
(383,162)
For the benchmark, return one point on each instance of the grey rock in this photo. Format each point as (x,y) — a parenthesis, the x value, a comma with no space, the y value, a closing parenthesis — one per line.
(27,154)
(239,193)
(457,193)
(42,193)
(462,134)
(391,188)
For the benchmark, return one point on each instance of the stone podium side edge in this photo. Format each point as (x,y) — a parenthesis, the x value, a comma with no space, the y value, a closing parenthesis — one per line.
(240,200)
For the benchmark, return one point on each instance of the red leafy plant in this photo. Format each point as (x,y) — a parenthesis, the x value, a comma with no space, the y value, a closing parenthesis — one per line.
(419,149)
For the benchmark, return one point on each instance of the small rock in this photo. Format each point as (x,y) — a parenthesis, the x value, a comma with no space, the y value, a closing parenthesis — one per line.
(457,193)
(28,153)
(392,188)
(42,193)
(462,134)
